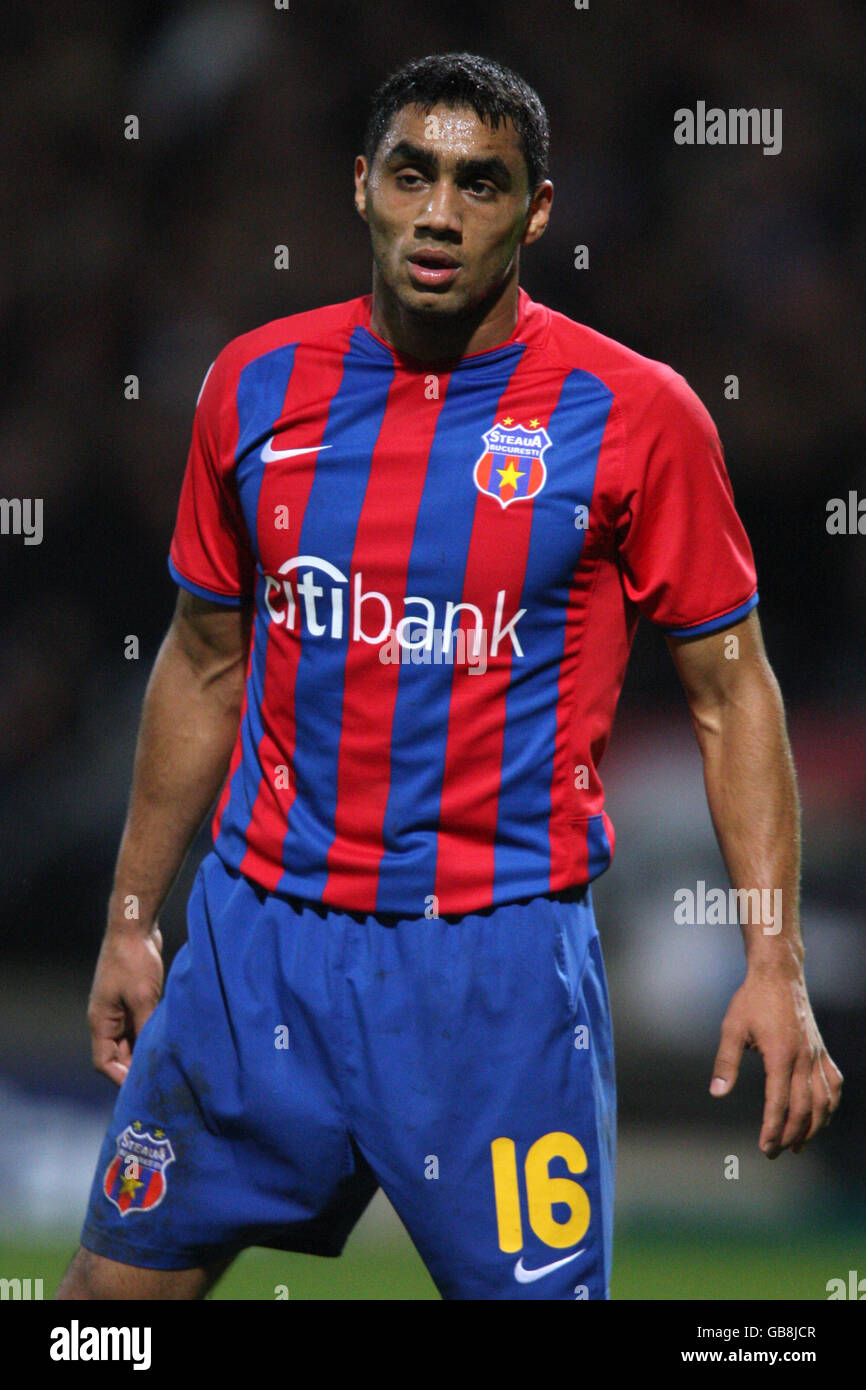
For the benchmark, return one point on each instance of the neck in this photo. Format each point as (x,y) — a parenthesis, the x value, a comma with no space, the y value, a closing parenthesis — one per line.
(431,337)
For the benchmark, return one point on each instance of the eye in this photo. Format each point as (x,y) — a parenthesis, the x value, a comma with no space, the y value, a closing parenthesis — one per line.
(480,188)
(408,180)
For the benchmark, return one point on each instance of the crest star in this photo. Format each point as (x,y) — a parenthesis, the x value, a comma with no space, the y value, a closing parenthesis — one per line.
(533,424)
(158,1133)
(509,475)
(509,420)
(136,1124)
(128,1186)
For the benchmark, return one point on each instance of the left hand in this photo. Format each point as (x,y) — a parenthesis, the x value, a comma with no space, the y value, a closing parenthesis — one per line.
(771,1013)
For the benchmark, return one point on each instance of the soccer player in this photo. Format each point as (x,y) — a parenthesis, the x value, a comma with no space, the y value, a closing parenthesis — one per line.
(415,535)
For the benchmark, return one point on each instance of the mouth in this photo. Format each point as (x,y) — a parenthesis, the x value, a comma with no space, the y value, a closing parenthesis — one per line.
(432,269)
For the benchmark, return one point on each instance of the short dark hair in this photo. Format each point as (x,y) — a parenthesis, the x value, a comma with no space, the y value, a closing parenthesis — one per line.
(494,92)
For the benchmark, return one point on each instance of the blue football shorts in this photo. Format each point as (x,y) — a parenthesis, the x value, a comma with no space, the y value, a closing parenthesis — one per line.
(301,1057)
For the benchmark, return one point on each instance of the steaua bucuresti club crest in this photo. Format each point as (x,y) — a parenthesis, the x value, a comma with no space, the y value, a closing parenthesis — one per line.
(512,468)
(135,1178)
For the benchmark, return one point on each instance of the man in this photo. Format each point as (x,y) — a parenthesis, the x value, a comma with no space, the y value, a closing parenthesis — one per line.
(415,536)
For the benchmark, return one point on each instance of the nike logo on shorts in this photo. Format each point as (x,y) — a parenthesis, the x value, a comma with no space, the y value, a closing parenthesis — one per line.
(528,1276)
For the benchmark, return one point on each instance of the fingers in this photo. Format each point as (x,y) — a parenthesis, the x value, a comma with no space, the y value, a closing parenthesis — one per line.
(111,1056)
(820,1105)
(726,1067)
(126,989)
(111,1039)
(776,1091)
(114,1027)
(826,1094)
(834,1080)
(800,1100)
(801,1105)
(803,1085)
(141,1010)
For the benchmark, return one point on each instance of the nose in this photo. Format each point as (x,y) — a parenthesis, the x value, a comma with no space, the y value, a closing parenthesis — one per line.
(441,214)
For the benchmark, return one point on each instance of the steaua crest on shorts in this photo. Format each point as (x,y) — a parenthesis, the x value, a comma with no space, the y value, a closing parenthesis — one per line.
(512,468)
(135,1178)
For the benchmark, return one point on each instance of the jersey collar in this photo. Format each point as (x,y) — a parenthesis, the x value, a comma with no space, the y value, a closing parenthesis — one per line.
(530,330)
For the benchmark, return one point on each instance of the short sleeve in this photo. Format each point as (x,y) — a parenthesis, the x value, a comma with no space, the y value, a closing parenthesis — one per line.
(210,550)
(684,555)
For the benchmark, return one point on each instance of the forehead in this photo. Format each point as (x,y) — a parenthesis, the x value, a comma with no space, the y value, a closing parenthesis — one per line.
(453,133)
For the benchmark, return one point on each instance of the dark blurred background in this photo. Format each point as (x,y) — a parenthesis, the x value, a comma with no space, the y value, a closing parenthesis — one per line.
(145,256)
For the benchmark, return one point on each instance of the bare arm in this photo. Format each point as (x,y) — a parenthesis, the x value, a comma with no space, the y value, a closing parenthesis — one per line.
(188,726)
(739,722)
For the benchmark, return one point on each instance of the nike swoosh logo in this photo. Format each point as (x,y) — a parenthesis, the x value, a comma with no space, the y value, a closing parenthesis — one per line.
(270,455)
(528,1276)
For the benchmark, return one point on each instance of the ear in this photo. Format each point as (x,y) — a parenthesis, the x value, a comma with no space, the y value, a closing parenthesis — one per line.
(361,173)
(539,213)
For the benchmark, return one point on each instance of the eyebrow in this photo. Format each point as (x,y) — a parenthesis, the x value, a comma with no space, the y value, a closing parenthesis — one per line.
(492,167)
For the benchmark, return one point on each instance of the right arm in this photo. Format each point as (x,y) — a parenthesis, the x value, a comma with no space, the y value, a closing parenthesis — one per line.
(188,728)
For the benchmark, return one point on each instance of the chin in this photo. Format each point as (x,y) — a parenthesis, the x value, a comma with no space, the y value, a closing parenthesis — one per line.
(435,306)
(432,302)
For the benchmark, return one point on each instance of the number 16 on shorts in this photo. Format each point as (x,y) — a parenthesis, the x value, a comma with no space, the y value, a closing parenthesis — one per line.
(543,1193)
